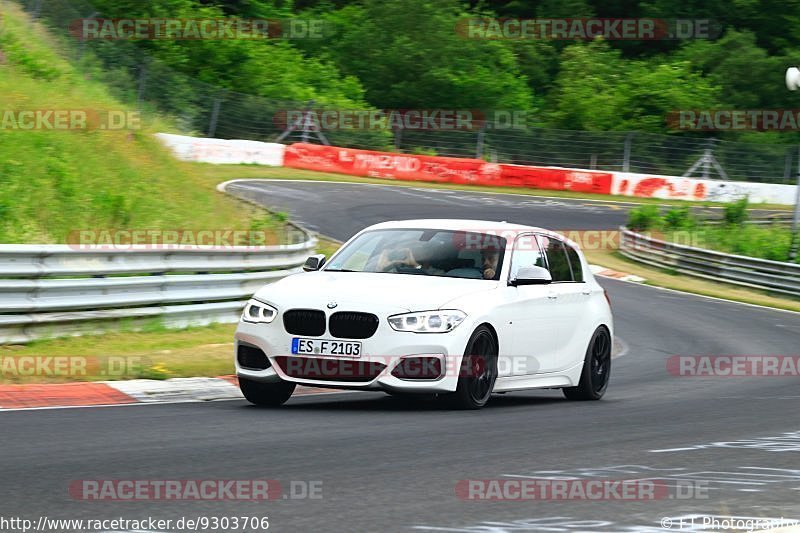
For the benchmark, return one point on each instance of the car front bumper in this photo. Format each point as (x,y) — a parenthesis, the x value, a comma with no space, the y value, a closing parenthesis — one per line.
(372,370)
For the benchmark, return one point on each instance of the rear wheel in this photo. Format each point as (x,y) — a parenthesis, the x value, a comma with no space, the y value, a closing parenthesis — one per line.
(478,371)
(596,369)
(266,394)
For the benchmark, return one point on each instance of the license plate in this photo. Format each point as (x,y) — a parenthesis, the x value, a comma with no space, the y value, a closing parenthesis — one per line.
(329,347)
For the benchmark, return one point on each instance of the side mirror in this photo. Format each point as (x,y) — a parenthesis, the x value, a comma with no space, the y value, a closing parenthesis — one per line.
(533,275)
(315,262)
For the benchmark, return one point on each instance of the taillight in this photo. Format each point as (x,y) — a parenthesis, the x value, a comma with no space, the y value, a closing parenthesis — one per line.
(605,293)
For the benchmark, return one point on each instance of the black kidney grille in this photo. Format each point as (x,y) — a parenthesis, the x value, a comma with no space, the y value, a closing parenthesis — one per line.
(352,325)
(304,322)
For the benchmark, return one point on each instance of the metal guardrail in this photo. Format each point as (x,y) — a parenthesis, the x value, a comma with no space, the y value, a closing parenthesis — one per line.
(57,290)
(773,276)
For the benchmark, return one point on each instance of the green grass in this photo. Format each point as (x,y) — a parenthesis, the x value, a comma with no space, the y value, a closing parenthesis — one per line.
(771,242)
(327,246)
(53,182)
(153,353)
(733,235)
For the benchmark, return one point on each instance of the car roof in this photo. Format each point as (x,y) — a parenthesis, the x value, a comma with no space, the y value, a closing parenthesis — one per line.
(492,227)
(454,224)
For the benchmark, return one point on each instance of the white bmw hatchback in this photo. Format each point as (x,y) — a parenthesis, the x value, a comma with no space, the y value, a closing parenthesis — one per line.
(455,308)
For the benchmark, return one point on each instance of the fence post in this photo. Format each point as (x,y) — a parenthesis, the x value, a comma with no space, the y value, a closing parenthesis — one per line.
(142,83)
(480,141)
(398,138)
(796,218)
(306,125)
(708,153)
(82,46)
(626,156)
(212,124)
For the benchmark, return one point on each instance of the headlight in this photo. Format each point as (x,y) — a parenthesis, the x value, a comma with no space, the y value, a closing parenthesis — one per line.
(259,312)
(427,321)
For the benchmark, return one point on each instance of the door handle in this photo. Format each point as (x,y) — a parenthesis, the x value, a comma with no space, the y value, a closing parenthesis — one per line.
(552,296)
(586,292)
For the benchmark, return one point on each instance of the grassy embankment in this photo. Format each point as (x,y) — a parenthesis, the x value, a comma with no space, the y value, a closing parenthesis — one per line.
(54,182)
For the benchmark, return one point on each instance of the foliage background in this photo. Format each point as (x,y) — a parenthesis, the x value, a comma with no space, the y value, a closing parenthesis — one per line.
(408,54)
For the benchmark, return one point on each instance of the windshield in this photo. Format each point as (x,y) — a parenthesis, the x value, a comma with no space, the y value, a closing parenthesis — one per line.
(427,252)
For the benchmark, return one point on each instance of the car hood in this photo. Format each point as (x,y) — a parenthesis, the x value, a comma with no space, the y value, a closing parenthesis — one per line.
(367,291)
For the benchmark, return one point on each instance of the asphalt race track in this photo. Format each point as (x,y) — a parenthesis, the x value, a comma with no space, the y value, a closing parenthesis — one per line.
(388,464)
(339,210)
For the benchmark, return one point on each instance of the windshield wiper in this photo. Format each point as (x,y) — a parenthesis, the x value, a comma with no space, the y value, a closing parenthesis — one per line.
(339,270)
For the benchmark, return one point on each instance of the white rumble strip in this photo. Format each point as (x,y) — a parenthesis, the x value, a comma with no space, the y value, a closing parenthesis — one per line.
(177,389)
(608,273)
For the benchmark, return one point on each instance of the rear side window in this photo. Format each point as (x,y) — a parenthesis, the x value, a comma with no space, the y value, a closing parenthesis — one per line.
(557,259)
(575,263)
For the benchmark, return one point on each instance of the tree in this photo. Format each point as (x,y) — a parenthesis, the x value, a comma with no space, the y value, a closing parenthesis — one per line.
(598,90)
(408,54)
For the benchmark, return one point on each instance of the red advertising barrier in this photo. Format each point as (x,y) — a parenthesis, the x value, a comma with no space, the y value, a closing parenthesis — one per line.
(441,169)
(391,165)
(556,179)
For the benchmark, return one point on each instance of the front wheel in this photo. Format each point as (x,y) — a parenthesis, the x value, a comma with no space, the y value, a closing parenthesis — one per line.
(266,394)
(596,369)
(478,371)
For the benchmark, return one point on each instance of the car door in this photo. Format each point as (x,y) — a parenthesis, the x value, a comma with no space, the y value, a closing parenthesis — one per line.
(533,308)
(571,300)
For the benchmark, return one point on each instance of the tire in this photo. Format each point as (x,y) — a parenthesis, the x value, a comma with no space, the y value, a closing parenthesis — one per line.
(266,394)
(596,369)
(478,371)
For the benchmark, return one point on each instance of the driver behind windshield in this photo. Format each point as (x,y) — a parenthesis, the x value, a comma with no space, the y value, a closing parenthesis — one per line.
(417,257)
(489,259)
